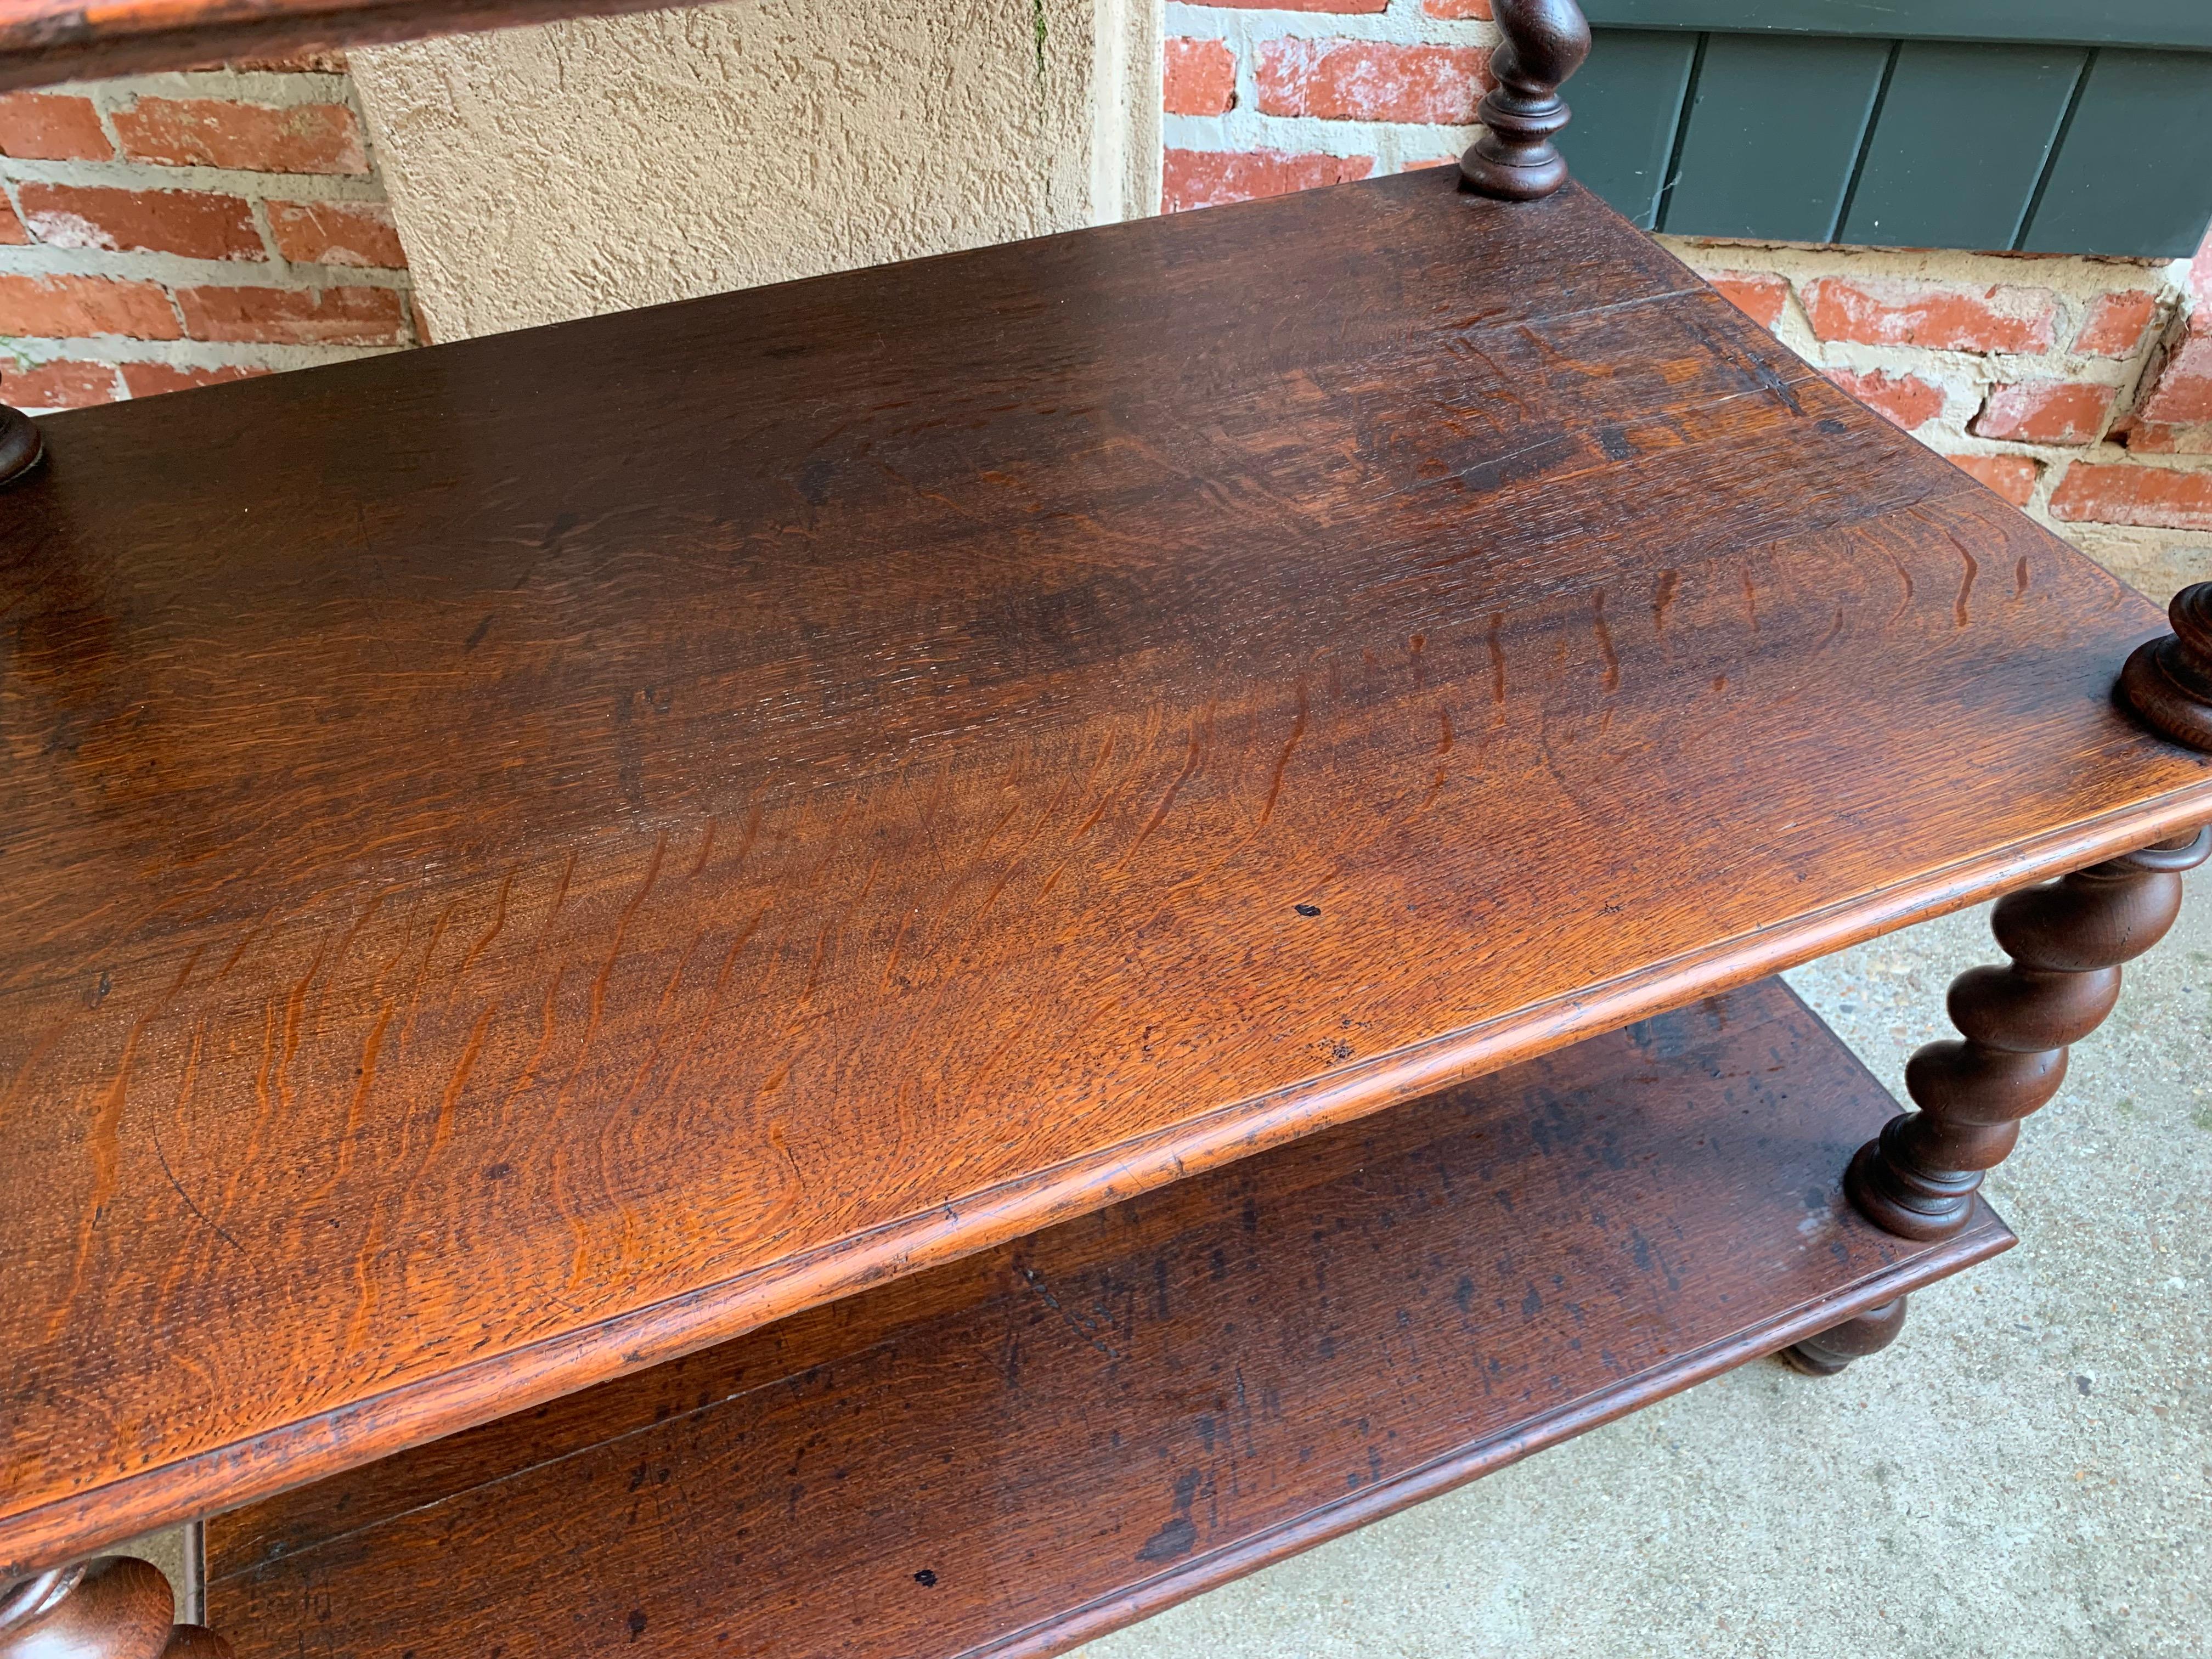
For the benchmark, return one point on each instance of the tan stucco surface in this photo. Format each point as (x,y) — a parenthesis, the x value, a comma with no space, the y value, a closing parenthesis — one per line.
(544,173)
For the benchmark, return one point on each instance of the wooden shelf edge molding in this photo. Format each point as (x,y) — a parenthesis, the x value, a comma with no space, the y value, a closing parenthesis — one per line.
(479,1392)
(43,41)
(1025,1449)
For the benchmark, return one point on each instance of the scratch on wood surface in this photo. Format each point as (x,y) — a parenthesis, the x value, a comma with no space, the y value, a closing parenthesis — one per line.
(295,1006)
(1443,748)
(102,1144)
(1605,642)
(706,849)
(560,893)
(415,991)
(1167,801)
(498,921)
(1283,760)
(1904,576)
(460,1080)
(1973,568)
(607,968)
(1663,596)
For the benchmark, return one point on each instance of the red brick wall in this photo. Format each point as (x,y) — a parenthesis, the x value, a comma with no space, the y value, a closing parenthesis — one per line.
(2081,389)
(175,230)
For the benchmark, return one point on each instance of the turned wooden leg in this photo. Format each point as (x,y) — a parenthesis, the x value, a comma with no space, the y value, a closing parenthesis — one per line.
(1515,159)
(2067,939)
(115,1608)
(1828,1352)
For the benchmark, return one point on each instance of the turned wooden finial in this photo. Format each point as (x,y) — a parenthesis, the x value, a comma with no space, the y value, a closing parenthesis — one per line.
(21,446)
(1545,42)
(115,1608)
(2168,682)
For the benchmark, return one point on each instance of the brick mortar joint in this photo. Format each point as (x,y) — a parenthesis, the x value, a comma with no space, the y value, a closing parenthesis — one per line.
(182,271)
(363,187)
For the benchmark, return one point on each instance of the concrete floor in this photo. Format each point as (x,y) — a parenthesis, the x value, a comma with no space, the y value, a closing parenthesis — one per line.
(2026,1472)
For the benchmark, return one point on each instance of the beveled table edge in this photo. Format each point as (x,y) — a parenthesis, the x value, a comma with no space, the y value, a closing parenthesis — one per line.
(292,1454)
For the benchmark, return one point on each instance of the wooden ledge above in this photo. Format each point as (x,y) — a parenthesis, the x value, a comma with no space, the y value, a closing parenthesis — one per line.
(43,41)
(527,858)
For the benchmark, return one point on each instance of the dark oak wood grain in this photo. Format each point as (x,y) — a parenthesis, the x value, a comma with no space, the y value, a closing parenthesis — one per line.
(530,857)
(1025,1449)
(42,41)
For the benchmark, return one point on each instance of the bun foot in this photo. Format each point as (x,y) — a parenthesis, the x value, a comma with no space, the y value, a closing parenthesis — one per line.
(1831,1350)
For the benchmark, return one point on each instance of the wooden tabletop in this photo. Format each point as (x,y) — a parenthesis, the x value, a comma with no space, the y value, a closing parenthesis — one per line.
(528,857)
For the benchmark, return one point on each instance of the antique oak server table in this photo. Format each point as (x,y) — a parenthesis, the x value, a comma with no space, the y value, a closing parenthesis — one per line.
(905,964)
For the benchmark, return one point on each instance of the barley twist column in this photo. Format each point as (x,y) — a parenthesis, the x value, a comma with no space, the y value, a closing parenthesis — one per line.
(2067,939)
(115,1608)
(1515,159)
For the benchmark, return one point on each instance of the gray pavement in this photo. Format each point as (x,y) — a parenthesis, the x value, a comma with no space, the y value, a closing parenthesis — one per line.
(2026,1474)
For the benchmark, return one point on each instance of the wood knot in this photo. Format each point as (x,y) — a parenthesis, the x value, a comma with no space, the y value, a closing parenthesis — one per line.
(2168,682)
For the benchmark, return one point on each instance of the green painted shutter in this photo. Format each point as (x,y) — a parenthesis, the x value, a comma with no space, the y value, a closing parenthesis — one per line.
(2028,124)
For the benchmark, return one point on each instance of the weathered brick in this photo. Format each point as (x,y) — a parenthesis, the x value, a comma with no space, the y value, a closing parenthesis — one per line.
(1200,77)
(60,384)
(337,233)
(1372,81)
(198,224)
(2012,477)
(1457,9)
(2045,412)
(11,228)
(52,126)
(285,316)
(2157,438)
(151,379)
(1199,178)
(68,307)
(1890,311)
(257,137)
(2151,496)
(2114,323)
(1905,399)
(2181,393)
(1759,294)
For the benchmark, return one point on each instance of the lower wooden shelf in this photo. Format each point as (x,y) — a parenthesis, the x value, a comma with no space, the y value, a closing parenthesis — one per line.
(1019,1450)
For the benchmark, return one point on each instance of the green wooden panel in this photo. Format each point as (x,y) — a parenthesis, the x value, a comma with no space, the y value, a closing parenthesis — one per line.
(2186,23)
(1773,136)
(1959,144)
(2133,174)
(1627,105)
